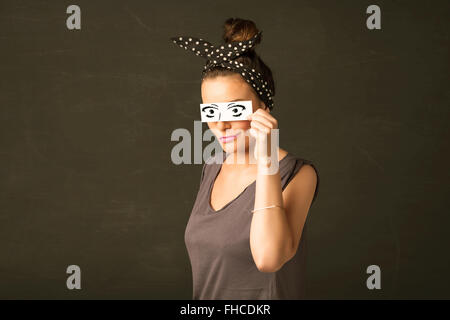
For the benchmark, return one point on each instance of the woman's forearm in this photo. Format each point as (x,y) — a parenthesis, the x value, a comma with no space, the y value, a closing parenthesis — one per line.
(271,240)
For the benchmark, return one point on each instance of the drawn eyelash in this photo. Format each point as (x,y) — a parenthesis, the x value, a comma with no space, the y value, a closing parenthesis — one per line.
(204,109)
(242,109)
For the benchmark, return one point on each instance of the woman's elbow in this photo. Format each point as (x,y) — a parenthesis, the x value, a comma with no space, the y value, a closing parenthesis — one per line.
(269,264)
(271,260)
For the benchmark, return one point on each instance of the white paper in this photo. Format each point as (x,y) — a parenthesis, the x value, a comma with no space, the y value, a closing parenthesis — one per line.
(225,111)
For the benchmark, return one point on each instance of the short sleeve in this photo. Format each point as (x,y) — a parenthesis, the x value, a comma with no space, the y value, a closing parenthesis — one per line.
(295,168)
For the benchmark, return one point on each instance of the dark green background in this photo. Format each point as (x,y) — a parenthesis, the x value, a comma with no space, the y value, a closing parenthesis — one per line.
(86,117)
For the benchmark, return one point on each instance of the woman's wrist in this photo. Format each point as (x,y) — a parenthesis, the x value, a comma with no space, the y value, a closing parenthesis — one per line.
(265,166)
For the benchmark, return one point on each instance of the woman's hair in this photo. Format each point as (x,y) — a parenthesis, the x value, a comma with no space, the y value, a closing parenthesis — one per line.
(236,29)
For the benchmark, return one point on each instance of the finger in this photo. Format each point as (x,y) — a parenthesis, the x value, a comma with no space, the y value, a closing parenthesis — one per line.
(263,120)
(259,126)
(266,126)
(266,115)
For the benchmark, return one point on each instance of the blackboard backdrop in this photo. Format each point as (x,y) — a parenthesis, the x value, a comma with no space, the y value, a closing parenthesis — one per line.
(86,118)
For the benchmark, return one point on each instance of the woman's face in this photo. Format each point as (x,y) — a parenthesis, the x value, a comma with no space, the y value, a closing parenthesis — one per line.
(227,89)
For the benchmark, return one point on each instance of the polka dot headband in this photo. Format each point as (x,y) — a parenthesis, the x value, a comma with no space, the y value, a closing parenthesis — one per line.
(224,56)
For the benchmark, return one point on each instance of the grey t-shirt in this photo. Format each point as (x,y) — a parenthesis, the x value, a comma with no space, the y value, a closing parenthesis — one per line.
(218,244)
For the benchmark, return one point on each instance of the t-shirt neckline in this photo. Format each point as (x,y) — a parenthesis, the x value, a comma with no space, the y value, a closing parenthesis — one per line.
(213,180)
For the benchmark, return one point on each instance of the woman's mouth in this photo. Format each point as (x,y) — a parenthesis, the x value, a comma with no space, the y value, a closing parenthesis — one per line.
(226,139)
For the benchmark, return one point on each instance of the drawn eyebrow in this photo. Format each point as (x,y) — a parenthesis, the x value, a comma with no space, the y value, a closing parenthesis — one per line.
(213,106)
(236,100)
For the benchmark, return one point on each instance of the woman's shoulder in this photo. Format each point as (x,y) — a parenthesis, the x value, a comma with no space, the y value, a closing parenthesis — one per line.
(294,158)
(294,164)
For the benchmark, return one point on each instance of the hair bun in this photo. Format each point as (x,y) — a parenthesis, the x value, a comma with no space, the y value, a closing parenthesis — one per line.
(236,29)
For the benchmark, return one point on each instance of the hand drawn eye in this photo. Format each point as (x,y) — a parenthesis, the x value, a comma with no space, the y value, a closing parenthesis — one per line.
(210,112)
(236,110)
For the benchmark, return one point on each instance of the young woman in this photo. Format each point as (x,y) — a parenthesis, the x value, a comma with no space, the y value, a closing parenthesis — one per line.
(246,232)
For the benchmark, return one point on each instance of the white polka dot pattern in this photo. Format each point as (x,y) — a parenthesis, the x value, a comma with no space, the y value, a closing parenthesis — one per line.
(224,56)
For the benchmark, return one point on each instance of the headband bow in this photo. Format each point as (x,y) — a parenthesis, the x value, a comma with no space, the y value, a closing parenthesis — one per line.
(224,55)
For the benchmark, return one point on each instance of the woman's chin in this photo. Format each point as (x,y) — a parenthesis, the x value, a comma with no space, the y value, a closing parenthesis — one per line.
(231,147)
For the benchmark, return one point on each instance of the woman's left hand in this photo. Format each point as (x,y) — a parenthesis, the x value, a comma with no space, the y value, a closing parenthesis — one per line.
(262,123)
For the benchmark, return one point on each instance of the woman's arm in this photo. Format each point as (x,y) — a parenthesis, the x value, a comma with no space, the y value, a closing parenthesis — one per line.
(275,232)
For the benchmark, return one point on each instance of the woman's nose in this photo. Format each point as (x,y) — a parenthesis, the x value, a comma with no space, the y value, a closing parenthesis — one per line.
(223,125)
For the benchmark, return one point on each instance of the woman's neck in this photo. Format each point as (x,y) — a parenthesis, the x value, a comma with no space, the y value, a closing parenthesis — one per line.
(242,160)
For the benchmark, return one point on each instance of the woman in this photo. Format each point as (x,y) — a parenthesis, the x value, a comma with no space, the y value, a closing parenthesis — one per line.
(245,235)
